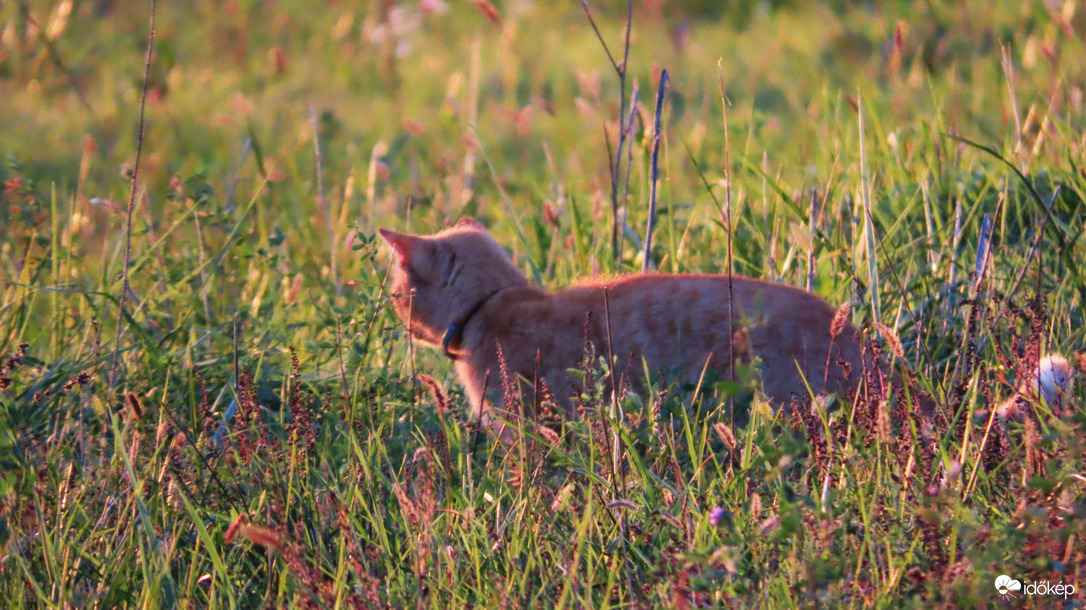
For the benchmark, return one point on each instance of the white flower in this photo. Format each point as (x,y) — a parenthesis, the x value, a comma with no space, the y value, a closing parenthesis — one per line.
(1056,378)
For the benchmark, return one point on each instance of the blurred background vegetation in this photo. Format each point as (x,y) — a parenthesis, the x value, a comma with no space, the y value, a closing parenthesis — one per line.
(425,111)
(408,95)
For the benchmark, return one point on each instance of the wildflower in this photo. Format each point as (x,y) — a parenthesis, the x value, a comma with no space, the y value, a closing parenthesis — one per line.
(715,515)
(435,7)
(13,186)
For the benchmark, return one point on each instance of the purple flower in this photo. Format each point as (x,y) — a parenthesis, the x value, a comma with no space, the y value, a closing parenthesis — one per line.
(715,515)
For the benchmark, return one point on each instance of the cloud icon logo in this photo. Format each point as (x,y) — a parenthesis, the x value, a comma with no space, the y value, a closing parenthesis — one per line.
(1005,584)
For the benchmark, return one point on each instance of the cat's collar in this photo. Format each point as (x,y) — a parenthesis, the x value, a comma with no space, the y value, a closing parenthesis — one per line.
(455,332)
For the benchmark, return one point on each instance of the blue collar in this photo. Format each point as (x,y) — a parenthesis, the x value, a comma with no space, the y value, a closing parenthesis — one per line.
(455,332)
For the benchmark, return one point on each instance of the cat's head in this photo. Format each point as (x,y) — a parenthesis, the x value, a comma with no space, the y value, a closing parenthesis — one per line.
(437,279)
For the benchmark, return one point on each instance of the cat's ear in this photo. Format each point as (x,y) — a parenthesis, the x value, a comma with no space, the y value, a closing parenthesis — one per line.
(404,245)
(470,223)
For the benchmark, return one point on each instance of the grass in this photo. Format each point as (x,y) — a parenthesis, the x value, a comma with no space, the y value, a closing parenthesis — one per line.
(346,474)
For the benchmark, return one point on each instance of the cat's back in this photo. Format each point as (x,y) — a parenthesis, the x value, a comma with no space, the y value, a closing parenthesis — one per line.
(653,311)
(679,323)
(684,294)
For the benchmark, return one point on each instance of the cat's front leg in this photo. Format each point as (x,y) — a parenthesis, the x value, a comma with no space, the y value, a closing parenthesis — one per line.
(475,379)
(503,403)
(485,392)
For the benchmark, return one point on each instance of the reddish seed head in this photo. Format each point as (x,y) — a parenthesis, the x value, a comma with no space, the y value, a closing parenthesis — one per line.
(839,320)
(488,10)
(233,529)
(134,404)
(263,536)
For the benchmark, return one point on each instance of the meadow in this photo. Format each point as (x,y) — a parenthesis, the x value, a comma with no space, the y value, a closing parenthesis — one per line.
(206,400)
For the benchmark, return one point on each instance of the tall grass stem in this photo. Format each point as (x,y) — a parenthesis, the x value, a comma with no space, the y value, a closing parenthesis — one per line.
(654,170)
(121,301)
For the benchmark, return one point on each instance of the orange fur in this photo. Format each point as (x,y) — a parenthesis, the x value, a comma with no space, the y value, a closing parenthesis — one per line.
(677,325)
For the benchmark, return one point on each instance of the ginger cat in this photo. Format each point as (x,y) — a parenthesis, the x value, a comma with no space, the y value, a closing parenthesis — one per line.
(458,289)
